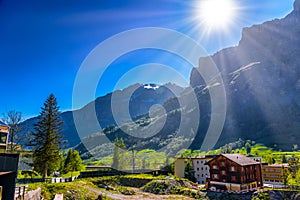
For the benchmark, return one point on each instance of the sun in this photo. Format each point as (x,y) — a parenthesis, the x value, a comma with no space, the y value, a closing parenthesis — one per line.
(216,14)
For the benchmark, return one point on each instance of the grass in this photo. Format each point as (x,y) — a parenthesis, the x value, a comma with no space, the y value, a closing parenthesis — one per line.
(79,189)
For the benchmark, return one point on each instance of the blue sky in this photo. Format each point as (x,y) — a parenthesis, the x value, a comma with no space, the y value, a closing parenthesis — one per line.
(43,43)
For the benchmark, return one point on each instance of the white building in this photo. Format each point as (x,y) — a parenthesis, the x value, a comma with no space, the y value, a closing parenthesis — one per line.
(200,169)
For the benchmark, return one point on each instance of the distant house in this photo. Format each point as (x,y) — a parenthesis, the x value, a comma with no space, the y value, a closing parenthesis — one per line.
(234,172)
(201,171)
(274,174)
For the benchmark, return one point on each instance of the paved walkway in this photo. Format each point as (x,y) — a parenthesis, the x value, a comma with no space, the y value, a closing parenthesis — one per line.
(139,195)
(59,197)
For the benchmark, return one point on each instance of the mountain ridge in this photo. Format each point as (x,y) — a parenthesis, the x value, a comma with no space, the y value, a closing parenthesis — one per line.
(139,106)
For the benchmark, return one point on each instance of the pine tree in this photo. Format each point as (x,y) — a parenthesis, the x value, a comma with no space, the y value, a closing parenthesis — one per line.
(46,139)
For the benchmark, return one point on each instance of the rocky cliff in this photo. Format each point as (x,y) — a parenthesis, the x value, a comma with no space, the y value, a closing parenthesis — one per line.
(262,81)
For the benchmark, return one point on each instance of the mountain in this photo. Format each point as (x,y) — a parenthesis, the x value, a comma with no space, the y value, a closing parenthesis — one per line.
(262,82)
(261,77)
(142,97)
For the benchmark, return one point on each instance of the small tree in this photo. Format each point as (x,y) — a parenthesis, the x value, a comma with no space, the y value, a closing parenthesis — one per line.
(67,166)
(248,147)
(117,157)
(46,139)
(73,162)
(189,172)
(293,165)
(271,160)
(283,159)
(76,161)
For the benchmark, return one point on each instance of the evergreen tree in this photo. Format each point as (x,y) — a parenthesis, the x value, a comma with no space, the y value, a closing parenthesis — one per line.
(68,162)
(46,139)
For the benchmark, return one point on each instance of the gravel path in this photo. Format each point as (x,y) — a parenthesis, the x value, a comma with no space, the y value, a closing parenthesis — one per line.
(139,195)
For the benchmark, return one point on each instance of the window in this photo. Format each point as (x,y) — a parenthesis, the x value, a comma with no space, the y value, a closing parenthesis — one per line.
(197,168)
(205,168)
(215,176)
(215,167)
(233,178)
(202,168)
(201,162)
(197,162)
(202,175)
(223,172)
(3,137)
(232,168)
(223,164)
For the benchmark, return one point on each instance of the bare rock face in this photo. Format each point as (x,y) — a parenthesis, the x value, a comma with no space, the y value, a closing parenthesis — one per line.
(297,6)
(263,101)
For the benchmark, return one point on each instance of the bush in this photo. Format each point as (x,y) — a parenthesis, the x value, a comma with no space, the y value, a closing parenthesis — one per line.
(126,191)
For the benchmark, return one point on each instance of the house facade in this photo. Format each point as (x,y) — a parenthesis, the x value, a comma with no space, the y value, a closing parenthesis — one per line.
(4,130)
(274,174)
(201,171)
(234,172)
(8,166)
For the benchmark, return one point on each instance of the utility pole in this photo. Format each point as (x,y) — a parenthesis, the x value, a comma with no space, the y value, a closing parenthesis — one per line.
(133,161)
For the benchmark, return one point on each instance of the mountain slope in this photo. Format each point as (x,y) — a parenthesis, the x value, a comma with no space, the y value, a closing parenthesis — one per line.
(142,99)
(262,81)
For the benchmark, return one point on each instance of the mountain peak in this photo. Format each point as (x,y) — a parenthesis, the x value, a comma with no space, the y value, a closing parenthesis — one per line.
(151,86)
(297,5)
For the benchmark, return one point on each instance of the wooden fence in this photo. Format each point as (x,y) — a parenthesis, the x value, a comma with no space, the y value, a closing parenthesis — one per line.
(20,192)
(47,180)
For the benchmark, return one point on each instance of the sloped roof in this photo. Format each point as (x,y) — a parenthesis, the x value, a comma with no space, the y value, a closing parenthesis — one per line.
(240,159)
(3,124)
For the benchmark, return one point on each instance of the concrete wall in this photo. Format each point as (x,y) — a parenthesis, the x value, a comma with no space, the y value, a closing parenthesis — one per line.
(179,167)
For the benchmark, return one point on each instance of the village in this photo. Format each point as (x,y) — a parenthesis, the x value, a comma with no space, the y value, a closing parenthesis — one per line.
(224,173)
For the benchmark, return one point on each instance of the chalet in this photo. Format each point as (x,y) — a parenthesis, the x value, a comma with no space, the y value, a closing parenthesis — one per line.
(234,172)
(201,171)
(8,166)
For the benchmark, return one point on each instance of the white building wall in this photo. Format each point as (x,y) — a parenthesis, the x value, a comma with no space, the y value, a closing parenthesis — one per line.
(201,170)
